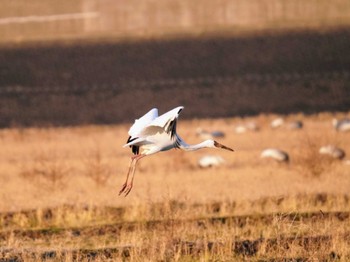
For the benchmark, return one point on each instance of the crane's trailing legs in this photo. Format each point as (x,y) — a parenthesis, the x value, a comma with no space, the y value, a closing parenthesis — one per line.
(126,188)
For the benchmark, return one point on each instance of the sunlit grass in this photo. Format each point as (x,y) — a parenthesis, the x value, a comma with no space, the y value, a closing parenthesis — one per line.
(60,193)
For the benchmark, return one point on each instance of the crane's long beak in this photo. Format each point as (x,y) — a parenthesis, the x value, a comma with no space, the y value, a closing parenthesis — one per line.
(218,145)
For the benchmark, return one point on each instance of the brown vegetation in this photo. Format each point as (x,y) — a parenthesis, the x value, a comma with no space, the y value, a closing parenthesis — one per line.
(249,208)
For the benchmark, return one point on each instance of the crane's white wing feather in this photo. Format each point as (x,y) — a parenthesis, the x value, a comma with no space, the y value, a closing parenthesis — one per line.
(149,125)
(143,122)
(145,136)
(162,120)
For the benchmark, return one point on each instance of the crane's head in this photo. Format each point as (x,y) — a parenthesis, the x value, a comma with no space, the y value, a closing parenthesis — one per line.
(218,145)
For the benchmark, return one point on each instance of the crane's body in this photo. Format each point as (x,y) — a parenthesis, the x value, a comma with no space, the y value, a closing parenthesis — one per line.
(151,134)
(341,125)
(332,151)
(276,154)
(210,161)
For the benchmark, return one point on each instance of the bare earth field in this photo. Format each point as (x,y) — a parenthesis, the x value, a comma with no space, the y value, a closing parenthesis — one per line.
(41,85)
(59,196)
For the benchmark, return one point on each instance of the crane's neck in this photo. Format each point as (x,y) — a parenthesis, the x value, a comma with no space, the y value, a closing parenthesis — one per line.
(186,147)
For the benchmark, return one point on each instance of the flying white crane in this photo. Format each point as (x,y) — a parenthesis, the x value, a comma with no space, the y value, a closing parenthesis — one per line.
(151,134)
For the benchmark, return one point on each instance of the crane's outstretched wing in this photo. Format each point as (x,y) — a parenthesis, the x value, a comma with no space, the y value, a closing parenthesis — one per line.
(164,123)
(166,118)
(137,128)
(142,122)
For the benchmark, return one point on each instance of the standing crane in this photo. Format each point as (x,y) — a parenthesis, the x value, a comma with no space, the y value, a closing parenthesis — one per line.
(332,151)
(151,134)
(341,125)
(274,153)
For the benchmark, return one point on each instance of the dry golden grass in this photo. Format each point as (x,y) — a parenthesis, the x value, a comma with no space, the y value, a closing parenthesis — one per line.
(60,194)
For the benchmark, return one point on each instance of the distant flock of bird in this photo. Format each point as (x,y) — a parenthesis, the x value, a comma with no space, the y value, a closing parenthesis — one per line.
(276,154)
(152,133)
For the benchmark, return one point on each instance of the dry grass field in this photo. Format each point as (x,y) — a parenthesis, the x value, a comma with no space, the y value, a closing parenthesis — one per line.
(59,196)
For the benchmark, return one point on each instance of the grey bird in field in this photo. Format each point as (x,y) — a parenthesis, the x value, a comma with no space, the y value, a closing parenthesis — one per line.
(240,129)
(341,125)
(250,126)
(204,134)
(276,154)
(210,161)
(332,151)
(276,123)
(293,125)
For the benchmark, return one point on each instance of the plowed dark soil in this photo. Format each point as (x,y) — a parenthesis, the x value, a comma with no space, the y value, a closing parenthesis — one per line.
(213,77)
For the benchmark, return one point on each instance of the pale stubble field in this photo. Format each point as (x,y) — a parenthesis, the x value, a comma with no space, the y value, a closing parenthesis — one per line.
(56,181)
